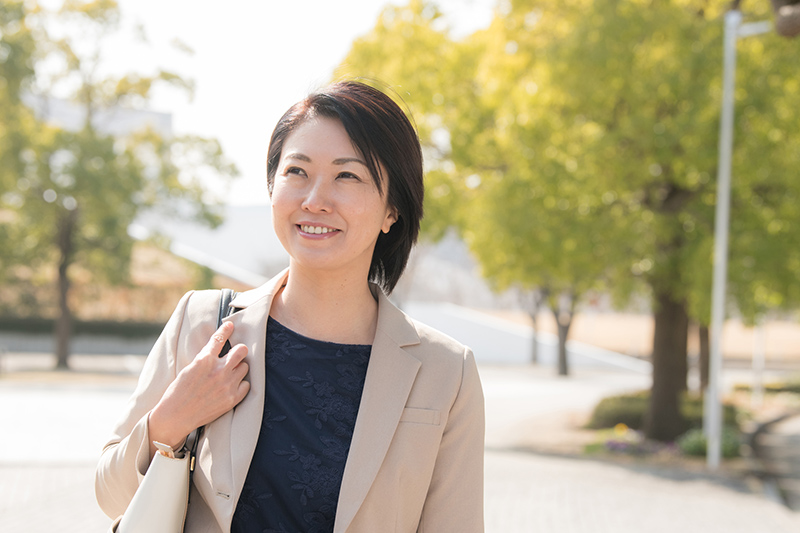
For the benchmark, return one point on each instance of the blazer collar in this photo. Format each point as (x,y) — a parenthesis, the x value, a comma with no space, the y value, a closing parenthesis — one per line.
(267,290)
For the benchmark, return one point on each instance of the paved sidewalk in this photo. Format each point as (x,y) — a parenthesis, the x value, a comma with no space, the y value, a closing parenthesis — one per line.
(777,447)
(55,424)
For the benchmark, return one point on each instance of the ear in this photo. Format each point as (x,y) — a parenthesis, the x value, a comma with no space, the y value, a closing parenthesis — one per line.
(391,218)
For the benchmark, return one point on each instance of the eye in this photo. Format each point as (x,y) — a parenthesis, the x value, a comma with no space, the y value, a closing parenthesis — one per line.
(294,170)
(348,176)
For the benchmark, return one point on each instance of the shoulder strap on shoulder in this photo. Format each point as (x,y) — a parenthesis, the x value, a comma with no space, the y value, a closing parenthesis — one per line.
(225,310)
(226,296)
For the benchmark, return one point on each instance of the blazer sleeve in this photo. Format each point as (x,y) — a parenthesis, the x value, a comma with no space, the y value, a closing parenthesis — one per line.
(455,496)
(126,456)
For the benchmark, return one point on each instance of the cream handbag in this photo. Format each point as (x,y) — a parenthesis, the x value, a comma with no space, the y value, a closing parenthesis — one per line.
(162,499)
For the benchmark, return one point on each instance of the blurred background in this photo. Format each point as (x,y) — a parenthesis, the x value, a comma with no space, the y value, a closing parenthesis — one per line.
(572,153)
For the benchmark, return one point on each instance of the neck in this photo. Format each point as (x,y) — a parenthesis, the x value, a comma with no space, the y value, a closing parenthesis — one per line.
(332,308)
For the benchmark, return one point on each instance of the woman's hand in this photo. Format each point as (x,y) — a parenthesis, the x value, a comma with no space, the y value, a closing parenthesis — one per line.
(207,388)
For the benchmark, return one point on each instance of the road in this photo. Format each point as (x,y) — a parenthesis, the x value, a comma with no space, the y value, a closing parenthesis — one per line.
(56,423)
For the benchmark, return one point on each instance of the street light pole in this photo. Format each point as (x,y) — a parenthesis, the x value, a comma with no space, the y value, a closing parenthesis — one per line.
(713,400)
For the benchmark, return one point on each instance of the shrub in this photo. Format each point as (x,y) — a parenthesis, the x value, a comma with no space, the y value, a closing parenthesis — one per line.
(625,441)
(631,409)
(790,385)
(693,442)
(628,409)
(127,329)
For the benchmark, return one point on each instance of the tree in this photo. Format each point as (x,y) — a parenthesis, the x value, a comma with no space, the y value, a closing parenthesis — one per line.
(583,150)
(644,80)
(16,121)
(644,95)
(531,301)
(74,193)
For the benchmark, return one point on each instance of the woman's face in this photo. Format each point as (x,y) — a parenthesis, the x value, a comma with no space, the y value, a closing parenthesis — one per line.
(326,209)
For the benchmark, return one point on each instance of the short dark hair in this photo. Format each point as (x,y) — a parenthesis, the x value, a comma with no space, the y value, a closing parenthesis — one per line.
(384,135)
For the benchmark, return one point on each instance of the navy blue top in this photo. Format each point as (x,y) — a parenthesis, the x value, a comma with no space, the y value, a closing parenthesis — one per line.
(313,390)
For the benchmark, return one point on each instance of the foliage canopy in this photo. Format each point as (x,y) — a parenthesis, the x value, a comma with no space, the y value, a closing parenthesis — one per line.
(72,183)
(574,145)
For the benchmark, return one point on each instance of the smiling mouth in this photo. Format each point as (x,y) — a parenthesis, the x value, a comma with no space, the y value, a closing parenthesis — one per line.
(316,230)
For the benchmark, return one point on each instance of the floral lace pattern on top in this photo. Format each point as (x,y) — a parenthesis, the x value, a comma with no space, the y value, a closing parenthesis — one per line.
(312,395)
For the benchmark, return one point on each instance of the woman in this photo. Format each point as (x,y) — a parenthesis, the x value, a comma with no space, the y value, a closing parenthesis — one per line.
(333,411)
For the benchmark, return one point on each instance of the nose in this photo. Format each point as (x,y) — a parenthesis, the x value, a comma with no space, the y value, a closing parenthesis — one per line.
(317,198)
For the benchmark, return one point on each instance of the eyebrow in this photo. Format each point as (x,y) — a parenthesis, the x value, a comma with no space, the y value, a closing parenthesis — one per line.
(339,161)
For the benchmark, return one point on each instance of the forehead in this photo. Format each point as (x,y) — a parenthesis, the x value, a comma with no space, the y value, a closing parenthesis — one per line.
(320,138)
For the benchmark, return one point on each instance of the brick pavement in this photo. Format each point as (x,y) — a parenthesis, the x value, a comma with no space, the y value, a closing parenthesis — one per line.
(38,498)
(529,493)
(777,447)
(45,491)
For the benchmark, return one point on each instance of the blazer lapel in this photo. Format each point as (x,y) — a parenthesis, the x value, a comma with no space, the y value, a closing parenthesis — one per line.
(251,330)
(390,376)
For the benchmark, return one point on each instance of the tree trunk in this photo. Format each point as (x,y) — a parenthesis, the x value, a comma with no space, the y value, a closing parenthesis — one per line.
(563,307)
(705,356)
(63,325)
(563,363)
(535,341)
(531,300)
(664,421)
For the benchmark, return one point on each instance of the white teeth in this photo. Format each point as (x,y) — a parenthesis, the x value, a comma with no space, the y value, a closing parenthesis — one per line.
(316,229)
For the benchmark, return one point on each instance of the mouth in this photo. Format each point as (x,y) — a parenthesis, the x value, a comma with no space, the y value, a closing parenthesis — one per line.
(316,230)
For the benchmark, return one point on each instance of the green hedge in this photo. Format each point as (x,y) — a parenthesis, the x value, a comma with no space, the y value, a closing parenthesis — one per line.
(630,409)
(790,385)
(693,442)
(95,327)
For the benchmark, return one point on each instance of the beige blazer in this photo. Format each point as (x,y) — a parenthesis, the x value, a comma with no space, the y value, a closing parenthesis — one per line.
(416,458)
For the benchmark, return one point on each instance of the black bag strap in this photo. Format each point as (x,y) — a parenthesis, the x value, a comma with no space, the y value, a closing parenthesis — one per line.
(225,310)
(225,298)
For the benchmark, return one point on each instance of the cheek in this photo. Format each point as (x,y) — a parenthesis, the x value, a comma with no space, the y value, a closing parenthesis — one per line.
(280,206)
(371,214)
(281,197)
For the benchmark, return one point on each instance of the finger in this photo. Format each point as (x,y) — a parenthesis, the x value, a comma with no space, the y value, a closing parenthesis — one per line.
(219,338)
(240,371)
(236,355)
(242,390)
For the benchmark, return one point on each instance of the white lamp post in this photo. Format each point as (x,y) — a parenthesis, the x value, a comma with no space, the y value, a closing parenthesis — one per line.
(734,29)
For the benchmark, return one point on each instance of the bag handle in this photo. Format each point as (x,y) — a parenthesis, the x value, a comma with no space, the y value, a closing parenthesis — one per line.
(225,310)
